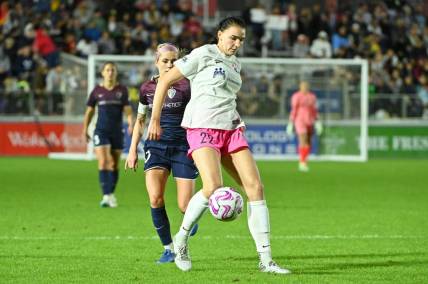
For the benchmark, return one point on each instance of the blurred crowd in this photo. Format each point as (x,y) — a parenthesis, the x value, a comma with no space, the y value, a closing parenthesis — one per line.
(393,35)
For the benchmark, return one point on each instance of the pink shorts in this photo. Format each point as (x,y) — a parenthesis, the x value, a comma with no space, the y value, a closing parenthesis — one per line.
(224,141)
(303,128)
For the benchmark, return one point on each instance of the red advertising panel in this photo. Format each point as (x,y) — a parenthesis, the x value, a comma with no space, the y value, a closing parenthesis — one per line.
(38,139)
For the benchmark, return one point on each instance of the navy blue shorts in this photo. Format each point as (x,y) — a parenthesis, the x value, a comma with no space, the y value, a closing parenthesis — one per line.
(171,158)
(103,138)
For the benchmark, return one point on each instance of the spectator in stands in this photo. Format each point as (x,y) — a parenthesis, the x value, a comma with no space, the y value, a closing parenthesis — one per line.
(258,18)
(340,39)
(276,25)
(44,46)
(55,86)
(106,45)
(25,64)
(5,65)
(301,47)
(86,47)
(70,44)
(321,47)
(292,22)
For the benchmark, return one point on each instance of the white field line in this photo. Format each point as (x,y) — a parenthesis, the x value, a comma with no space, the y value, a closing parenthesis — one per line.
(273,237)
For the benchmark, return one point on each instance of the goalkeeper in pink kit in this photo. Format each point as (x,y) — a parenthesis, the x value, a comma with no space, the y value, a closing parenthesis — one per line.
(303,119)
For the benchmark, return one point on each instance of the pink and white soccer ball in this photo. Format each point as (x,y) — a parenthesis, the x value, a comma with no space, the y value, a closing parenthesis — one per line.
(225,204)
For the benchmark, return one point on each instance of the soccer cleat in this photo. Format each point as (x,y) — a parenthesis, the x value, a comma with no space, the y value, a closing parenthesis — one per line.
(272,267)
(303,167)
(182,258)
(112,201)
(166,257)
(194,230)
(105,202)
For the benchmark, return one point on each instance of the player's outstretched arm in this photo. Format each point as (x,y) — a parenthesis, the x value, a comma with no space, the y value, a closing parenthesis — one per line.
(154,130)
(132,159)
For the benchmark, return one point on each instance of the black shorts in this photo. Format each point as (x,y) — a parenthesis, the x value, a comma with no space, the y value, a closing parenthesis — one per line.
(103,138)
(171,158)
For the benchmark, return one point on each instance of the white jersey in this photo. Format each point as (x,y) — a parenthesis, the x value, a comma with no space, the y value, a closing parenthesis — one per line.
(215,80)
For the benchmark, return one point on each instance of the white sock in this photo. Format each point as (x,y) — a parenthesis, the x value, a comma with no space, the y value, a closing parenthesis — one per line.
(168,246)
(195,209)
(258,222)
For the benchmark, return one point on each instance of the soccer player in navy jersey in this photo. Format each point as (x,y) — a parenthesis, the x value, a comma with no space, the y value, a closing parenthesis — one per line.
(112,101)
(169,153)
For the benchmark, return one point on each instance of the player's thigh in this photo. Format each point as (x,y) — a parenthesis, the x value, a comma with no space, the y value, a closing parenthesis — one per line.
(249,174)
(208,162)
(185,190)
(226,161)
(303,139)
(156,179)
(116,140)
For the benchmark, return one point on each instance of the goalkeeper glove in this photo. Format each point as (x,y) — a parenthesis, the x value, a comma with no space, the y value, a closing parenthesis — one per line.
(290,129)
(318,127)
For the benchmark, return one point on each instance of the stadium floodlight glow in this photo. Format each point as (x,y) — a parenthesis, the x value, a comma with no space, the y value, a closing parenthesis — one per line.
(341,86)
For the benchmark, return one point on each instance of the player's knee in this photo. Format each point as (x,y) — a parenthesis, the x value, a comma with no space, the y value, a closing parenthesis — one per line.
(157,201)
(114,166)
(103,164)
(209,188)
(182,207)
(254,190)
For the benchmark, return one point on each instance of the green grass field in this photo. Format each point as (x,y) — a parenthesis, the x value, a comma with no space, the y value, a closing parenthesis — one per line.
(339,223)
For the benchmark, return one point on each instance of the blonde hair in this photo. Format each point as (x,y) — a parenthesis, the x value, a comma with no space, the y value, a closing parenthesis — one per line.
(165,47)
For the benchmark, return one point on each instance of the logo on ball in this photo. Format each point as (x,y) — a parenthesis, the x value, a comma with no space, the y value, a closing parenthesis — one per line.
(225,204)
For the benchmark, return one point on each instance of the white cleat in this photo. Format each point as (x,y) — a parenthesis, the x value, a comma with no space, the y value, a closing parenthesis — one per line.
(182,257)
(105,202)
(112,201)
(272,267)
(303,167)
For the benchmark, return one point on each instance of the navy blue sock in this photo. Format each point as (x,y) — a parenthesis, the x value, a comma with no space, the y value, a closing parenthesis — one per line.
(161,223)
(114,177)
(105,181)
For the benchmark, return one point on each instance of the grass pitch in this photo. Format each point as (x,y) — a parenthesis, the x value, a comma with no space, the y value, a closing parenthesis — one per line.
(339,223)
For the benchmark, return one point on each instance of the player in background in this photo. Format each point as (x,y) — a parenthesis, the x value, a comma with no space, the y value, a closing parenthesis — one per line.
(169,153)
(112,101)
(215,133)
(303,118)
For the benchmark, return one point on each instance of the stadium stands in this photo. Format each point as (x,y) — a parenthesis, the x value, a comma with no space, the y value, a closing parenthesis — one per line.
(393,36)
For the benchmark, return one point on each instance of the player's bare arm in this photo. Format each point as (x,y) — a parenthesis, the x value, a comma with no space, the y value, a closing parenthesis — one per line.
(86,121)
(173,75)
(128,112)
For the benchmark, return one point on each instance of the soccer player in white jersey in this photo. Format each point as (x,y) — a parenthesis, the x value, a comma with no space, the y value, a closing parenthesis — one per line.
(215,133)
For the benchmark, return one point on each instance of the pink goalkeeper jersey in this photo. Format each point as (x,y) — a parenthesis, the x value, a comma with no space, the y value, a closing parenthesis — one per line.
(303,108)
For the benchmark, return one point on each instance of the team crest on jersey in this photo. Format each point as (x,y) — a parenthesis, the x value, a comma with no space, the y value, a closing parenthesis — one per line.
(171,93)
(235,67)
(184,58)
(118,95)
(218,71)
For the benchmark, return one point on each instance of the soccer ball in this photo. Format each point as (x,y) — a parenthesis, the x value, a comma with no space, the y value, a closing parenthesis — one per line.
(225,204)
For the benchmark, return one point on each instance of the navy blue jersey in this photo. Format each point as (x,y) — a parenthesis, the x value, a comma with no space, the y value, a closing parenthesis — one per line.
(172,111)
(110,107)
